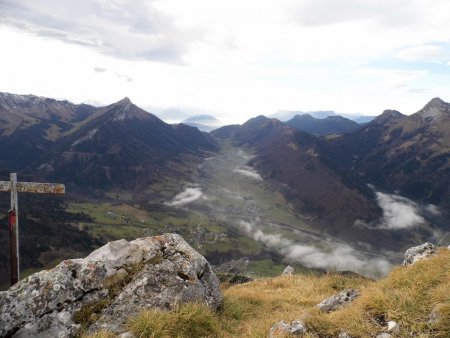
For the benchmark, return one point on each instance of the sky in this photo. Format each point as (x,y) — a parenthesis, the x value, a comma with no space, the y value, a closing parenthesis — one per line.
(234,59)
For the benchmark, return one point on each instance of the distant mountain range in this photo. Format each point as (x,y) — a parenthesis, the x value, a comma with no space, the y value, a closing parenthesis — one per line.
(204,123)
(329,178)
(321,127)
(286,115)
(117,146)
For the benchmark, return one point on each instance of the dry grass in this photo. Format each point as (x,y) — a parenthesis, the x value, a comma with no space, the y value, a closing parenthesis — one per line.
(408,295)
(264,302)
(187,320)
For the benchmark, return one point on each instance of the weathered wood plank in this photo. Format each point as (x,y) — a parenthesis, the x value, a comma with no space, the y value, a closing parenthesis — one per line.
(33,187)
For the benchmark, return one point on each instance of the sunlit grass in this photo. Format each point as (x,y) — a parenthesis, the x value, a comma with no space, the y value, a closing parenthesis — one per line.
(408,295)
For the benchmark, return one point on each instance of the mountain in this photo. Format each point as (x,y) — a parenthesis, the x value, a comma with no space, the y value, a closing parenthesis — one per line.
(285,115)
(408,154)
(332,180)
(204,123)
(321,127)
(311,185)
(117,146)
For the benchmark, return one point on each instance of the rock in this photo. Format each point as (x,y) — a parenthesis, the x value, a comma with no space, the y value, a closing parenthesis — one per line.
(384,335)
(417,253)
(344,335)
(288,271)
(337,301)
(281,328)
(127,335)
(393,327)
(433,317)
(103,289)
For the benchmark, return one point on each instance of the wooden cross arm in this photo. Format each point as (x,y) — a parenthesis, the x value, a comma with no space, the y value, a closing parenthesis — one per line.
(34,187)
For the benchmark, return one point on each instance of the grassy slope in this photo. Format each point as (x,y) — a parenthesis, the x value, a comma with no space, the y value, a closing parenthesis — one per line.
(408,295)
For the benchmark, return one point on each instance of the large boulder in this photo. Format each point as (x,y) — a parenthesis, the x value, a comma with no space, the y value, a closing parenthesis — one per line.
(105,288)
(418,253)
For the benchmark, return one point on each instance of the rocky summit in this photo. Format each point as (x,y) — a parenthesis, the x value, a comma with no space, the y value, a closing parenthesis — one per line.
(102,290)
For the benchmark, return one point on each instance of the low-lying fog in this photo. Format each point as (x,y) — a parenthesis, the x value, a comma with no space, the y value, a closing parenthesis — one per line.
(231,192)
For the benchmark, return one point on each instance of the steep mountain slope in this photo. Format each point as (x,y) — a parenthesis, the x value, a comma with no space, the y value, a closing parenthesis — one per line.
(30,124)
(117,146)
(409,154)
(322,127)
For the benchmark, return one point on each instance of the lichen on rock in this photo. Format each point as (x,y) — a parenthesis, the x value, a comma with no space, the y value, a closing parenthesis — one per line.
(102,290)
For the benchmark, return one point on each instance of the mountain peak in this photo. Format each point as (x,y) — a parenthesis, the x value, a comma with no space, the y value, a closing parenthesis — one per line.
(124,101)
(388,115)
(435,109)
(437,101)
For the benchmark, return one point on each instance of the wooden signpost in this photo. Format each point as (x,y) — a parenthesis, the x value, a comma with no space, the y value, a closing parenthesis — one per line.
(13,215)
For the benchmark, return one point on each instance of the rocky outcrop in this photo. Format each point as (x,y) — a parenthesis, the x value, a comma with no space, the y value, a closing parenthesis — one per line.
(103,289)
(337,301)
(418,253)
(282,328)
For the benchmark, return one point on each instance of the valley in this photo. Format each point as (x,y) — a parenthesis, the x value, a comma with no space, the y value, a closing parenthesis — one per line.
(227,211)
(261,193)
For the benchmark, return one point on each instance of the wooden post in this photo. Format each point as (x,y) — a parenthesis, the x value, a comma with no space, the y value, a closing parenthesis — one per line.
(13,217)
(13,214)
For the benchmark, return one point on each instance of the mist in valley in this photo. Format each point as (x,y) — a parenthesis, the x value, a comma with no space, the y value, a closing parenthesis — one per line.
(233,194)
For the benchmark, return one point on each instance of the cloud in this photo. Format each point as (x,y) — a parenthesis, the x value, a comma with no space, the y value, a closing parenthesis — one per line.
(393,78)
(128,29)
(399,212)
(189,195)
(125,77)
(426,53)
(248,172)
(99,69)
(386,12)
(331,256)
(339,257)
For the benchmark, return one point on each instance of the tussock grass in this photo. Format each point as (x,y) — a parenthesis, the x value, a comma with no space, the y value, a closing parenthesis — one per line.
(187,320)
(408,295)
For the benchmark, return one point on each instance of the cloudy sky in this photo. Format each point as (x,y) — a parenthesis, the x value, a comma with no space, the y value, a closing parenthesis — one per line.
(233,58)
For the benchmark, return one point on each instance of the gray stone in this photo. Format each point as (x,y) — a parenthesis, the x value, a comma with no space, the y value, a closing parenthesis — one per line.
(435,316)
(344,335)
(118,280)
(297,328)
(417,253)
(337,301)
(393,327)
(288,271)
(127,335)
(384,335)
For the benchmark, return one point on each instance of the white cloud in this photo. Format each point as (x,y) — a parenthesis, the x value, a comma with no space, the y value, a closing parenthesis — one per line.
(399,212)
(189,195)
(427,53)
(386,12)
(339,257)
(248,172)
(330,256)
(129,29)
